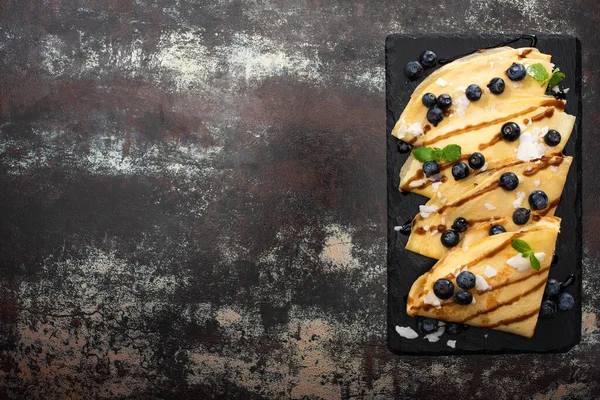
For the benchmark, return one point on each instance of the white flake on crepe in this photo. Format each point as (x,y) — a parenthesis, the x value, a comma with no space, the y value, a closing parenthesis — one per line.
(544,131)
(523,264)
(517,84)
(489,206)
(415,129)
(465,248)
(554,168)
(485,166)
(432,299)
(473,301)
(427,210)
(490,271)
(462,89)
(435,178)
(443,220)
(529,168)
(456,270)
(417,183)
(481,284)
(443,201)
(491,65)
(435,336)
(451,343)
(436,186)
(441,82)
(439,194)
(465,268)
(520,197)
(522,127)
(402,129)
(529,150)
(426,227)
(529,123)
(537,183)
(462,102)
(520,52)
(406,332)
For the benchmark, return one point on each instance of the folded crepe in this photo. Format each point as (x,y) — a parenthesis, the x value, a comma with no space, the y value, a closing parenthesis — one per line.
(508,292)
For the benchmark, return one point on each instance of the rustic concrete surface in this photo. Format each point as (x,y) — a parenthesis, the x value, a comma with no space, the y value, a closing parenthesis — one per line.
(193,201)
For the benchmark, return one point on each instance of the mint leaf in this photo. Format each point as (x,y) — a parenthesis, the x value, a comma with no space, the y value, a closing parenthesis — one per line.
(439,153)
(424,154)
(538,72)
(521,246)
(556,78)
(535,263)
(452,152)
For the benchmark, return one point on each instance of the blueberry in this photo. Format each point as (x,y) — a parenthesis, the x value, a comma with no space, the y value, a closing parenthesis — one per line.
(538,200)
(460,224)
(463,298)
(452,328)
(473,92)
(413,70)
(460,171)
(444,101)
(476,160)
(567,282)
(443,288)
(435,115)
(404,147)
(508,181)
(465,280)
(431,168)
(450,238)
(521,216)
(496,85)
(428,59)
(496,230)
(428,100)
(565,302)
(427,325)
(552,288)
(548,309)
(510,131)
(516,72)
(552,138)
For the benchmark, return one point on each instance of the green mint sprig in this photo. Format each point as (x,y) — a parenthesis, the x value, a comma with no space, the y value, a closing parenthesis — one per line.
(526,251)
(540,73)
(449,153)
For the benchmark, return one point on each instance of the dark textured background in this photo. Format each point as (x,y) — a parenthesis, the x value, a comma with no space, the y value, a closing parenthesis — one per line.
(192,200)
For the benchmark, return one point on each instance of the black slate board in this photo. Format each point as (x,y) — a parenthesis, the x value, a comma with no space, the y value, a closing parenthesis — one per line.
(404,267)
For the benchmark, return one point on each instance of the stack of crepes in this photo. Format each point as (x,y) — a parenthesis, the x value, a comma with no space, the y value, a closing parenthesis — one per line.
(507,297)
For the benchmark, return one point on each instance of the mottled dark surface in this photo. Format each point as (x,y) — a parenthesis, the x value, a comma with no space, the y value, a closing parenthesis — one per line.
(193,201)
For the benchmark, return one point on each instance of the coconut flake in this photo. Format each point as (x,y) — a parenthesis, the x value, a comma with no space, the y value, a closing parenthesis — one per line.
(537,183)
(523,264)
(529,123)
(435,336)
(398,228)
(490,271)
(435,178)
(451,343)
(415,129)
(491,65)
(566,90)
(554,168)
(529,150)
(417,183)
(481,284)
(406,332)
(473,301)
(432,299)
(485,336)
(517,84)
(465,248)
(402,129)
(462,102)
(443,201)
(456,270)
(520,197)
(436,186)
(441,82)
(489,206)
(544,130)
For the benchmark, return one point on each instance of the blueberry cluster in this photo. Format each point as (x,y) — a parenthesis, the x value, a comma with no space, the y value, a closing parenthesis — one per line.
(450,237)
(429,325)
(414,69)
(460,170)
(555,298)
(436,106)
(443,288)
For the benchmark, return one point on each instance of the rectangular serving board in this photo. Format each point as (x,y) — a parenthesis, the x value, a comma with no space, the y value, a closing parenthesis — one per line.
(404,267)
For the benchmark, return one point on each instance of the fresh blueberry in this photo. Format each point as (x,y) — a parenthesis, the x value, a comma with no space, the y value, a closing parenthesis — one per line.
(443,288)
(510,131)
(521,216)
(460,224)
(428,59)
(465,280)
(444,101)
(473,92)
(548,309)
(431,168)
(496,85)
(404,147)
(463,298)
(413,70)
(428,100)
(538,200)
(476,160)
(516,72)
(552,288)
(565,301)
(496,230)
(427,325)
(460,170)
(435,115)
(452,328)
(509,181)
(450,238)
(552,138)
